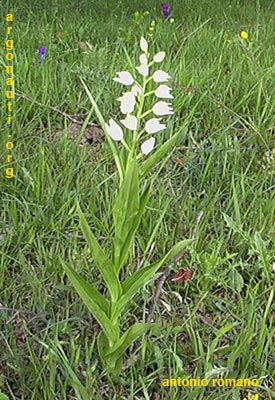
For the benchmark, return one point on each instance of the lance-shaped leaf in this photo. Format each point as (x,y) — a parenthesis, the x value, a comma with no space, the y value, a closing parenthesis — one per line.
(104,264)
(134,283)
(96,303)
(159,154)
(128,338)
(112,144)
(124,253)
(125,210)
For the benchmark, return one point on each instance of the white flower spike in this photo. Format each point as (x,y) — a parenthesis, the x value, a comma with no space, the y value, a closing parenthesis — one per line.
(148,146)
(130,122)
(163,108)
(153,126)
(160,76)
(124,77)
(143,44)
(159,57)
(128,102)
(163,92)
(114,130)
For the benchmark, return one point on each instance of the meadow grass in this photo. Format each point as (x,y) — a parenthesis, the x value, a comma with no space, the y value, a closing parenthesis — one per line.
(221,323)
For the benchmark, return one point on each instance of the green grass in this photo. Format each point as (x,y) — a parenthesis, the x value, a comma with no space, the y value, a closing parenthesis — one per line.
(220,324)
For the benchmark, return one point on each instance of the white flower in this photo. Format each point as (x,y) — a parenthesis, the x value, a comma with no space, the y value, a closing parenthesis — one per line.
(162,108)
(143,59)
(136,90)
(153,125)
(130,122)
(114,130)
(159,57)
(163,92)
(128,102)
(124,77)
(143,69)
(143,44)
(160,76)
(148,146)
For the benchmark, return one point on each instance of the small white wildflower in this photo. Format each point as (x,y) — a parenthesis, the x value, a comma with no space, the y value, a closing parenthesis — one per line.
(153,125)
(163,92)
(160,76)
(159,57)
(162,108)
(124,77)
(128,102)
(130,122)
(143,69)
(114,130)
(148,146)
(136,90)
(143,44)
(143,59)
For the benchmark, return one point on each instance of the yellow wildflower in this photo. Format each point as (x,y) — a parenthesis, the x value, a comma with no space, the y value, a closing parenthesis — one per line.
(244,35)
(146,13)
(252,397)
(172,20)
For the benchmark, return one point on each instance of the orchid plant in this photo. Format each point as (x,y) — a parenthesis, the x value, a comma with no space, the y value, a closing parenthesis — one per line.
(135,158)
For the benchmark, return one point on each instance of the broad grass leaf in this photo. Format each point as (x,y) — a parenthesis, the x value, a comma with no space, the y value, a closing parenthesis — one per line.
(134,283)
(125,211)
(158,156)
(96,303)
(128,338)
(112,364)
(104,264)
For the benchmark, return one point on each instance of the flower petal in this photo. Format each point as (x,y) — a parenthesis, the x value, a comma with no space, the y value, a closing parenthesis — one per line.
(163,92)
(148,146)
(114,130)
(143,59)
(128,102)
(143,69)
(160,76)
(143,44)
(124,77)
(159,57)
(153,125)
(130,122)
(136,90)
(163,108)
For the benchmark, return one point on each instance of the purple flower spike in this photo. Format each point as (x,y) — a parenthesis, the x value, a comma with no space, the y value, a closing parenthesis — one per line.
(166,10)
(43,52)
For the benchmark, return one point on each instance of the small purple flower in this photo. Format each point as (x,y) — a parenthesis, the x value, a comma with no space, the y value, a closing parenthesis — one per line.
(166,10)
(43,52)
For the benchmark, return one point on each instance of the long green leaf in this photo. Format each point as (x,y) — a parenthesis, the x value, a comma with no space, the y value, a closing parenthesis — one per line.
(151,161)
(124,253)
(104,264)
(128,338)
(125,210)
(134,283)
(113,365)
(112,144)
(96,303)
